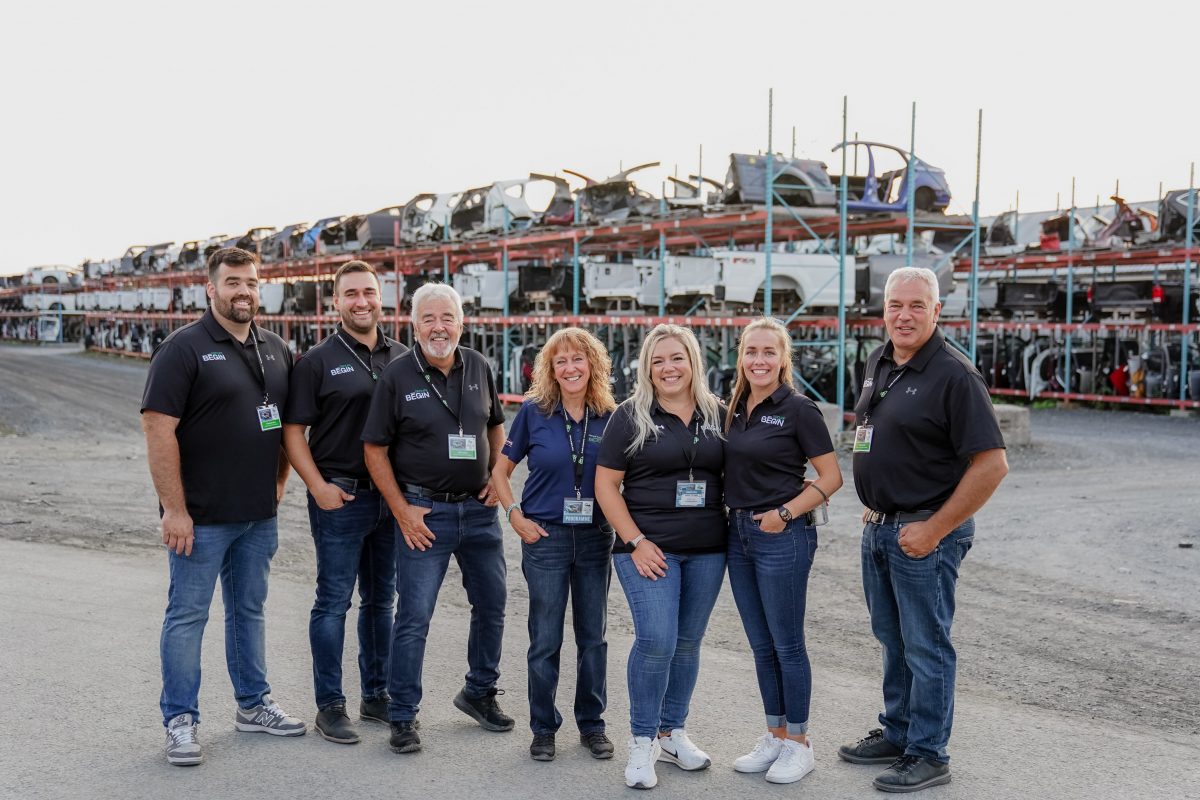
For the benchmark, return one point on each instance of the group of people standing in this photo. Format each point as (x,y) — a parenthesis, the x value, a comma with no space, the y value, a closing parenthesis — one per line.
(407,464)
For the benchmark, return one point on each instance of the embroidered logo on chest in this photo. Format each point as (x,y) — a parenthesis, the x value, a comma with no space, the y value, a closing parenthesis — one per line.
(341,369)
(770,420)
(217,356)
(419,394)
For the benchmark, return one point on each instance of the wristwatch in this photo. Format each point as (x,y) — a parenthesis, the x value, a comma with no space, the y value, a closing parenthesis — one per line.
(632,544)
(784,514)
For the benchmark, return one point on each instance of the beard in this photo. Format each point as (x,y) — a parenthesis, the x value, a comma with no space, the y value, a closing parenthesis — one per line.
(226,309)
(440,348)
(351,324)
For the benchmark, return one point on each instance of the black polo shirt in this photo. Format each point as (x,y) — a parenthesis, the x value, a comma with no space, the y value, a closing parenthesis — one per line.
(766,454)
(935,416)
(407,416)
(212,383)
(331,393)
(652,473)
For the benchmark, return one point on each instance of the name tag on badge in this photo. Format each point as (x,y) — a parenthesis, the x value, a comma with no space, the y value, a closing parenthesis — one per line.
(577,512)
(862,438)
(268,417)
(690,494)
(462,448)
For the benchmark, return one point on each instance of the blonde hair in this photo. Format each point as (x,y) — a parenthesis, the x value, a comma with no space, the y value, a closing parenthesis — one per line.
(544,389)
(741,386)
(643,392)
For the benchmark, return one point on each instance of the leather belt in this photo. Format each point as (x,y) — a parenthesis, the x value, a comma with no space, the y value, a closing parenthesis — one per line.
(897,517)
(808,517)
(353,485)
(437,497)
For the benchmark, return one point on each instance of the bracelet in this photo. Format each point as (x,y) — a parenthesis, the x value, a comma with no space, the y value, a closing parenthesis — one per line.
(820,491)
(508,512)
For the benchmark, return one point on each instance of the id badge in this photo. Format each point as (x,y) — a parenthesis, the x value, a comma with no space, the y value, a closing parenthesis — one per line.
(577,511)
(462,448)
(268,417)
(690,494)
(862,438)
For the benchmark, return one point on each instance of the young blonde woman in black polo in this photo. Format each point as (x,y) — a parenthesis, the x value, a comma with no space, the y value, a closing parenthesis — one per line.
(772,432)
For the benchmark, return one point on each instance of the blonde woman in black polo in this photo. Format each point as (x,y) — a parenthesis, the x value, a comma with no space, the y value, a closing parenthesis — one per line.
(772,431)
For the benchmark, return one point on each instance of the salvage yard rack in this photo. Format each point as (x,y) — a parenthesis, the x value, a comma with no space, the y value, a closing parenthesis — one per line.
(823,341)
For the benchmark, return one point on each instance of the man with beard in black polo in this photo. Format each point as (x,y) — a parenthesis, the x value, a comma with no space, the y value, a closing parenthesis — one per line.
(432,437)
(213,433)
(352,528)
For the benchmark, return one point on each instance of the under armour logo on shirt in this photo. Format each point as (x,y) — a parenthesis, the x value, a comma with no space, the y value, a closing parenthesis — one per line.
(474,387)
(910,390)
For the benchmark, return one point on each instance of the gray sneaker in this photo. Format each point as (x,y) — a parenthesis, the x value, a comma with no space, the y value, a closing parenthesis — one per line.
(183,748)
(268,718)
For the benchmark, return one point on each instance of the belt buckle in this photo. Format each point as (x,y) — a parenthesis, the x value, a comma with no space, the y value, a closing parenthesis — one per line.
(875,517)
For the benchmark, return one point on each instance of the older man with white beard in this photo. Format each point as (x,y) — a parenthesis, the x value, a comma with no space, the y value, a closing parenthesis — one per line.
(433,433)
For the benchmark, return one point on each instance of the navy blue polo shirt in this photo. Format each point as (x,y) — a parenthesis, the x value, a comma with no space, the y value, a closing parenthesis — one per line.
(652,472)
(766,452)
(331,392)
(212,384)
(551,473)
(936,414)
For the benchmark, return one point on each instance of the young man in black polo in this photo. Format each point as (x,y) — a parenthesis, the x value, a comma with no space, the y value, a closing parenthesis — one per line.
(432,436)
(213,438)
(927,455)
(351,525)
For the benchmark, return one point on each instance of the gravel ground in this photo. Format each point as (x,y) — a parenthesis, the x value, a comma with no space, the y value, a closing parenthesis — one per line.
(1076,596)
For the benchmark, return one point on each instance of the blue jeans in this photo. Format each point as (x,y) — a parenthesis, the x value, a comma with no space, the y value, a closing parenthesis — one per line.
(240,553)
(911,601)
(669,619)
(354,542)
(768,573)
(573,559)
(470,532)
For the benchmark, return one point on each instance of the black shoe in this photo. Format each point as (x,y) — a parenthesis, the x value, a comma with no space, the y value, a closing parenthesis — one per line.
(485,710)
(599,745)
(334,725)
(542,748)
(374,709)
(911,774)
(871,749)
(405,738)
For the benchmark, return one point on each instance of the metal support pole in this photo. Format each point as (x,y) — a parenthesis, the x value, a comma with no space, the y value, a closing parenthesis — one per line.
(1070,289)
(912,189)
(504,349)
(1187,284)
(662,257)
(575,271)
(841,332)
(975,239)
(445,266)
(769,234)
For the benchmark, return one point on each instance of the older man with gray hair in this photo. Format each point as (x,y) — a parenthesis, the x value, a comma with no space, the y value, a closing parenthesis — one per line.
(927,455)
(433,432)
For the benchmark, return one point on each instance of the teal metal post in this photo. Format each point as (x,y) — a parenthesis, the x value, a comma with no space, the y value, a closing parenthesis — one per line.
(1187,284)
(445,267)
(843,187)
(662,256)
(769,235)
(575,265)
(912,189)
(1070,290)
(975,240)
(504,258)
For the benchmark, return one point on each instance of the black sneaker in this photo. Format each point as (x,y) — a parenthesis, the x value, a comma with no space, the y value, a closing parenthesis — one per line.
(912,774)
(871,749)
(485,710)
(599,745)
(333,724)
(405,738)
(542,748)
(374,709)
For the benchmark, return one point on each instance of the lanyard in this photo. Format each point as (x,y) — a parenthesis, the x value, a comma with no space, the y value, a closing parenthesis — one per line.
(367,367)
(577,459)
(691,455)
(877,399)
(425,373)
(261,375)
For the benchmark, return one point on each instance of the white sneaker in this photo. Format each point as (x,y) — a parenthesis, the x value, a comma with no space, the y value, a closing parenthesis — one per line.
(639,769)
(268,717)
(678,749)
(183,746)
(760,759)
(794,762)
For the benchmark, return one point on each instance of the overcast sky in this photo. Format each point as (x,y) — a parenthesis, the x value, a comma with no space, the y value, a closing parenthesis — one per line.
(140,122)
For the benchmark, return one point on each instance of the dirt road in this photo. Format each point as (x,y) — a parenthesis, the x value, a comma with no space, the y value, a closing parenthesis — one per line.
(1076,596)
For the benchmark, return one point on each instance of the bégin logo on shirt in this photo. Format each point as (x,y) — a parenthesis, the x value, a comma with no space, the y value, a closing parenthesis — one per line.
(770,420)
(419,394)
(216,356)
(341,369)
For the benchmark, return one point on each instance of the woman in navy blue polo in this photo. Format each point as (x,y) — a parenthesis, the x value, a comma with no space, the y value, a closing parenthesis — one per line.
(772,432)
(565,541)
